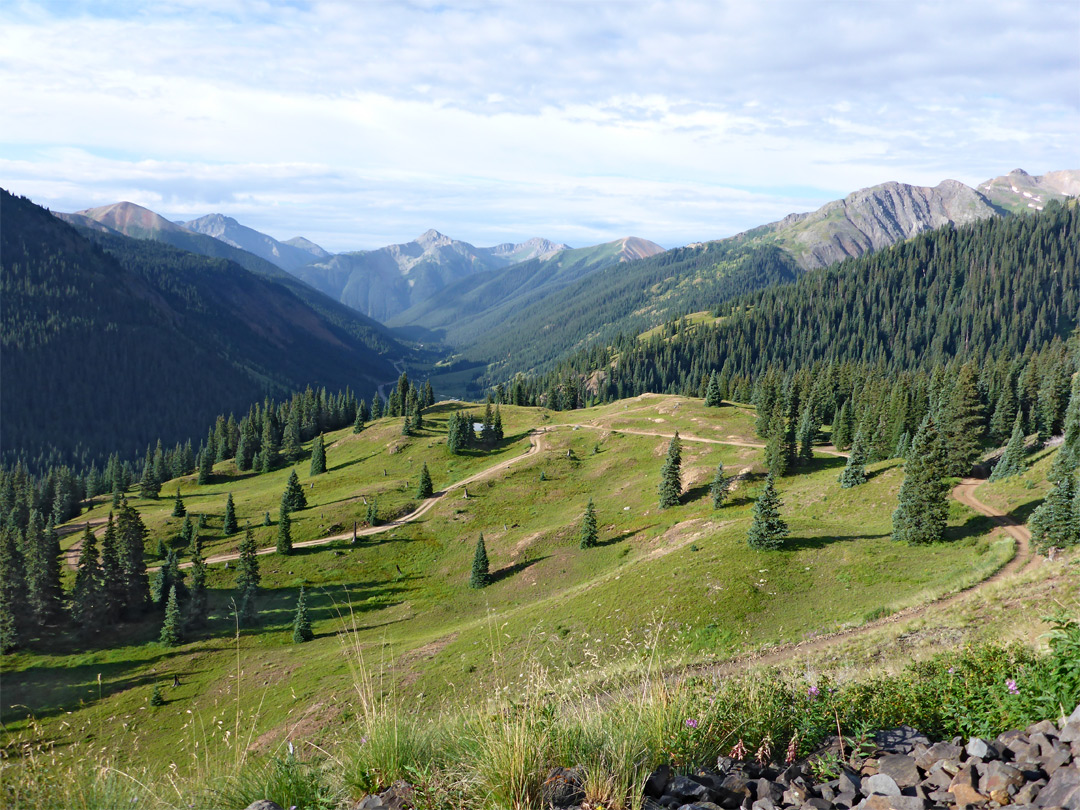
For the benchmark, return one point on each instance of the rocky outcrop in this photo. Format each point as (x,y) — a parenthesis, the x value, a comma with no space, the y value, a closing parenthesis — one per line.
(228,230)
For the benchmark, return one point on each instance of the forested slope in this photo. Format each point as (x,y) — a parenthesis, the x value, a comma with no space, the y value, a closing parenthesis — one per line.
(110,342)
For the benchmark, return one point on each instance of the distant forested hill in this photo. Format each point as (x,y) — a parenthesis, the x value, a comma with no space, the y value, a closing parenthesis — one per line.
(109,342)
(1001,289)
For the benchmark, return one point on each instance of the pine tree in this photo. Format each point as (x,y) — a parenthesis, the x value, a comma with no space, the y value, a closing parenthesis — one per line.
(720,487)
(589,531)
(294,493)
(854,473)
(768,530)
(964,423)
(290,441)
(712,393)
(197,608)
(844,427)
(179,510)
(269,457)
(43,592)
(425,489)
(112,572)
(923,509)
(266,519)
(777,450)
(229,525)
(1012,459)
(172,629)
(131,533)
(284,533)
(247,448)
(318,456)
(301,621)
(156,696)
(497,426)
(376,407)
(903,446)
(206,470)
(88,595)
(248,564)
(1054,522)
(358,423)
(12,589)
(187,532)
(481,574)
(455,433)
(1070,446)
(670,488)
(149,485)
(805,435)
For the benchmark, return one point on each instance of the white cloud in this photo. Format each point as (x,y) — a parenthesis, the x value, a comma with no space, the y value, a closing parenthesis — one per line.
(360,124)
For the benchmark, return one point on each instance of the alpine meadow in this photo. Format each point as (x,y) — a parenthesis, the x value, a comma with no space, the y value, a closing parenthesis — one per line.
(780,510)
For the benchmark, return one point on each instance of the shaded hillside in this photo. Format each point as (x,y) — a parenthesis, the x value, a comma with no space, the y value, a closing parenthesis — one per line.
(381,283)
(467,309)
(110,342)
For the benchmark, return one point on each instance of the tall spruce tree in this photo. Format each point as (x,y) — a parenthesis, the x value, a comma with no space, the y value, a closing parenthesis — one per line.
(712,392)
(198,603)
(358,422)
(43,592)
(284,533)
(318,456)
(112,572)
(805,435)
(301,621)
(964,423)
(294,493)
(376,407)
(248,446)
(481,573)
(206,471)
(88,595)
(290,440)
(187,532)
(269,456)
(777,449)
(497,426)
(172,628)
(1070,446)
(131,533)
(247,580)
(228,524)
(854,473)
(1012,459)
(720,487)
(1055,522)
(590,532)
(670,488)
(844,426)
(425,489)
(768,529)
(12,589)
(179,510)
(372,516)
(149,485)
(923,509)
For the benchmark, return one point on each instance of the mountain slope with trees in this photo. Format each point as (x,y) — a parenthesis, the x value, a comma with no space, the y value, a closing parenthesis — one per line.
(110,343)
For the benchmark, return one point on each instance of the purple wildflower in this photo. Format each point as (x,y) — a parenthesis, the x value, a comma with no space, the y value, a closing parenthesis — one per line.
(813,692)
(1010,684)
(691,722)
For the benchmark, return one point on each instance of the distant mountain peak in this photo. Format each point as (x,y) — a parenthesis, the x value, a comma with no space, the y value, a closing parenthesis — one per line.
(283,254)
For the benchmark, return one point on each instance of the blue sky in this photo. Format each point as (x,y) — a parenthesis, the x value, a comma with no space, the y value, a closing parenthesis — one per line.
(360,124)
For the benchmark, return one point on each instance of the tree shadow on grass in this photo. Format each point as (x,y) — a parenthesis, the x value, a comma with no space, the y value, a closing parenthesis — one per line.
(510,570)
(800,543)
(974,526)
(1022,513)
(354,462)
(611,541)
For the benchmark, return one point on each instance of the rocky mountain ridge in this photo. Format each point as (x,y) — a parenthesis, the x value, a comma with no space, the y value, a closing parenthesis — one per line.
(286,255)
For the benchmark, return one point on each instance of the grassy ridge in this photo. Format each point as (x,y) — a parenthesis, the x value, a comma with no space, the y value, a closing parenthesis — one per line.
(403,598)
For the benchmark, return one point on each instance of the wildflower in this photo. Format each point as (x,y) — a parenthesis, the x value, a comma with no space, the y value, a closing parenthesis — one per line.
(792,750)
(1010,684)
(951,670)
(813,692)
(738,753)
(691,722)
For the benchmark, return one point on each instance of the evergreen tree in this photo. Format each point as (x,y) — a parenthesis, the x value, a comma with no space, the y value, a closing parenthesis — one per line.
(964,424)
(455,433)
(284,533)
(358,423)
(903,446)
(156,696)
(248,565)
(1012,459)
(805,435)
(229,525)
(266,519)
(318,456)
(844,427)
(923,509)
(269,457)
(712,393)
(777,449)
(131,533)
(43,592)
(248,446)
(118,494)
(497,426)
(187,532)
(1005,412)
(429,395)
(589,530)
(197,607)
(178,510)
(768,530)
(425,489)
(481,574)
(294,494)
(854,472)
(12,589)
(301,621)
(1054,522)
(670,488)
(290,441)
(376,407)
(172,629)
(720,487)
(1070,447)
(88,595)
(206,470)
(372,517)
(149,485)
(112,573)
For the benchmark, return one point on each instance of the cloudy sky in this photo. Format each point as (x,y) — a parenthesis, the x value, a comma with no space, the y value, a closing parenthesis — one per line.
(360,124)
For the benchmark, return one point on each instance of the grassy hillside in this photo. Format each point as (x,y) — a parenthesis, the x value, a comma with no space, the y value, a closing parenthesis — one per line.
(683,577)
